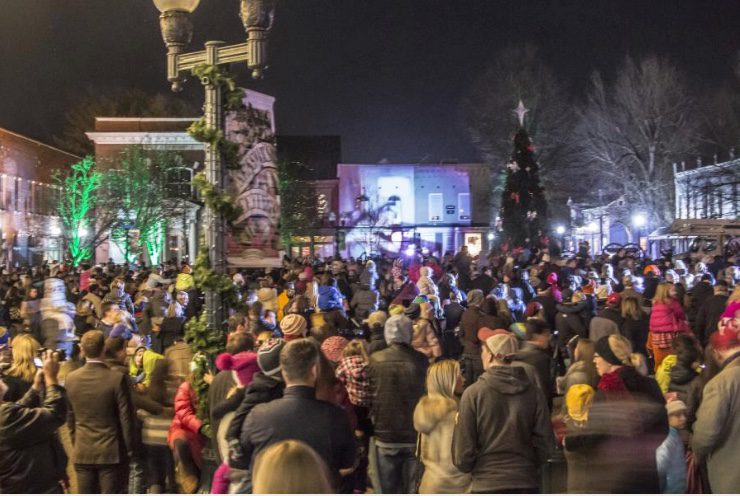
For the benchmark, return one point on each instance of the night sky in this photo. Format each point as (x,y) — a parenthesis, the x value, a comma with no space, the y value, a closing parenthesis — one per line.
(386,75)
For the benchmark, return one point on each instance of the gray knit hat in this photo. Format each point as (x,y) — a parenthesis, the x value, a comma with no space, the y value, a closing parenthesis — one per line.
(398,329)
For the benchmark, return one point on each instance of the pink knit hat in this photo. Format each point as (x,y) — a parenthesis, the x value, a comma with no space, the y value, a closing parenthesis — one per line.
(333,347)
(243,364)
(728,329)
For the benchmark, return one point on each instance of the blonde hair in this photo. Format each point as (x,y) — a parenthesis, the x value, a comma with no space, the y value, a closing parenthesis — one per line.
(174,309)
(631,308)
(355,348)
(622,349)
(290,467)
(735,295)
(663,293)
(24,349)
(584,351)
(442,378)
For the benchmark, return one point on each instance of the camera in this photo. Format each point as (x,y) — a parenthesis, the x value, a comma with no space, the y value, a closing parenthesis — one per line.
(62,353)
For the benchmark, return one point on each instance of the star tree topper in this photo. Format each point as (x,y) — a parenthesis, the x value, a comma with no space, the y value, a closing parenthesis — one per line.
(520,111)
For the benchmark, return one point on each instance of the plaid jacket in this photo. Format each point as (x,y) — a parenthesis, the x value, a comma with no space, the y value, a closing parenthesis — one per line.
(352,373)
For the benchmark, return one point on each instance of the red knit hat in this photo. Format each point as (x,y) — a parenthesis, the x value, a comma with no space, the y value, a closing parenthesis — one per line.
(728,329)
(614,300)
(333,347)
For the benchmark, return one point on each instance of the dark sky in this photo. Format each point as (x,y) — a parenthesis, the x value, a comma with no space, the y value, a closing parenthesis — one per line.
(386,75)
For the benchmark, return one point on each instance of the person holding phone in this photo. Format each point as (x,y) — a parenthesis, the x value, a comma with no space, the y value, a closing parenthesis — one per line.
(32,459)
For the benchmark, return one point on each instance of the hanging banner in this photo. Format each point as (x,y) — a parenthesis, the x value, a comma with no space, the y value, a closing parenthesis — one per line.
(254,239)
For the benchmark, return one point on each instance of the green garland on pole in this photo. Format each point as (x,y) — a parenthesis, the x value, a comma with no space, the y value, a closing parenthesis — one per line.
(206,342)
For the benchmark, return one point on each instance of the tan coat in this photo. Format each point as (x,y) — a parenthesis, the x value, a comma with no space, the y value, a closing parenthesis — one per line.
(434,420)
(717,429)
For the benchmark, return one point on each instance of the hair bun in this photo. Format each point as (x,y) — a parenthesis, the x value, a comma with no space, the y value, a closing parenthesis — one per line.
(224,362)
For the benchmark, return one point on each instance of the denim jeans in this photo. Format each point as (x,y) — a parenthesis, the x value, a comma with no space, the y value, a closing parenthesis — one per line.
(397,470)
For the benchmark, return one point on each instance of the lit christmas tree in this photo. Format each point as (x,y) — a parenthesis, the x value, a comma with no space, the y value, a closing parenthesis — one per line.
(523,204)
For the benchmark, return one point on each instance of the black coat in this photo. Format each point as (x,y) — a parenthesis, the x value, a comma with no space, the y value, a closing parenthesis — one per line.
(708,316)
(541,360)
(397,376)
(32,459)
(637,332)
(262,389)
(298,415)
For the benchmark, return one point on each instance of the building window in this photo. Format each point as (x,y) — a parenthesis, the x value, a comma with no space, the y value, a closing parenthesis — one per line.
(463,206)
(436,207)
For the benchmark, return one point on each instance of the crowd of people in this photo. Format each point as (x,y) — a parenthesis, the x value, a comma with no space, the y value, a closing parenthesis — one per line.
(447,374)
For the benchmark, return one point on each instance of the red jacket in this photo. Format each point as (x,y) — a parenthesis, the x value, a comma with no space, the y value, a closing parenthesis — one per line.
(185,424)
(668,317)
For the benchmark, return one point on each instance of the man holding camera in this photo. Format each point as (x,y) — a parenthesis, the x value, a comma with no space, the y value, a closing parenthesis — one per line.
(32,459)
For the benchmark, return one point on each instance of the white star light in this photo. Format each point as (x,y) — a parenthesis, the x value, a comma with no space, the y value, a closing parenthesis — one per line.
(520,111)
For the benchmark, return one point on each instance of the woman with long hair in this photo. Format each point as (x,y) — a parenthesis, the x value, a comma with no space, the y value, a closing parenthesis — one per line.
(19,376)
(290,467)
(434,420)
(582,370)
(31,311)
(667,320)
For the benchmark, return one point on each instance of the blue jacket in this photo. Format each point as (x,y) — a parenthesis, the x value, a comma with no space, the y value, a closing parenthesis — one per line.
(330,298)
(672,464)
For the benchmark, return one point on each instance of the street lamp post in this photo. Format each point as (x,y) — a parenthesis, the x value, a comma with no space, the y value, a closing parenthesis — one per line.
(177,32)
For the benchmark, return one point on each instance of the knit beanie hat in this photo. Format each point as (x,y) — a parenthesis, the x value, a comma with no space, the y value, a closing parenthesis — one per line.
(578,401)
(268,356)
(604,350)
(293,326)
(614,300)
(398,329)
(728,329)
(377,318)
(333,347)
(675,406)
(396,309)
(475,298)
(244,364)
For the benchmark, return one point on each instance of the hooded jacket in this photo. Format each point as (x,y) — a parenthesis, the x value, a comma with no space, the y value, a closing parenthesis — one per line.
(688,384)
(425,283)
(329,298)
(503,431)
(434,420)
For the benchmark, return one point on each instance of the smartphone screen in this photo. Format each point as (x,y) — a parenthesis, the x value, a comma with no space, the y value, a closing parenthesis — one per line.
(37,361)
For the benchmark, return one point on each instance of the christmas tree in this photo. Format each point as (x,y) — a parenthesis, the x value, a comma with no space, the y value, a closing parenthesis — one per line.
(523,205)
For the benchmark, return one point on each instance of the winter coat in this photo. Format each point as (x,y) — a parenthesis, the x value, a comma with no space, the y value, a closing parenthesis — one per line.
(671,461)
(663,373)
(503,433)
(717,429)
(268,298)
(637,332)
(406,293)
(262,389)
(397,376)
(330,298)
(667,317)
(425,283)
(469,325)
(579,373)
(186,425)
(323,426)
(32,459)
(434,420)
(149,360)
(184,282)
(600,327)
(364,302)
(541,360)
(369,276)
(708,316)
(377,340)
(425,340)
(626,424)
(569,324)
(688,384)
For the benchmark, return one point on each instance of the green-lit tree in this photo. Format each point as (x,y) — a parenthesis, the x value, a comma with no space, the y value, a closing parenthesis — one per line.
(298,200)
(523,204)
(139,180)
(82,209)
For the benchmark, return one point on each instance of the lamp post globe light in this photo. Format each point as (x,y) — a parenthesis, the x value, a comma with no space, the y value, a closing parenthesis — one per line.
(639,220)
(177,31)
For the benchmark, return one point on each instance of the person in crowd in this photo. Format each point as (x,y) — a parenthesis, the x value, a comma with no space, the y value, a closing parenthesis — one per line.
(187,437)
(635,324)
(369,275)
(266,386)
(31,311)
(424,337)
(101,421)
(667,320)
(434,420)
(184,281)
(716,439)
(626,423)
(267,294)
(684,377)
(142,364)
(502,434)
(536,352)
(570,320)
(582,369)
(404,291)
(324,427)
(32,459)
(707,316)
(448,287)
(302,470)
(171,329)
(469,325)
(452,311)
(293,326)
(397,383)
(671,458)
(364,301)
(119,296)
(609,320)
(376,327)
(19,377)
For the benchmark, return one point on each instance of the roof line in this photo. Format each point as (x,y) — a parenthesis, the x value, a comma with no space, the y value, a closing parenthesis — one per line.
(39,142)
(147,119)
